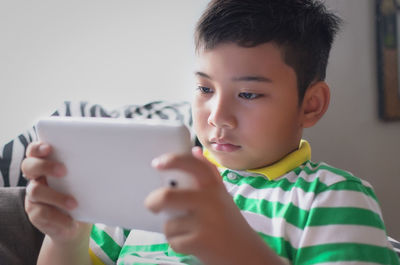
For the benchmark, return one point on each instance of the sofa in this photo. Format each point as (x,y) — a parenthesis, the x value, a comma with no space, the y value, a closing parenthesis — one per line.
(20,242)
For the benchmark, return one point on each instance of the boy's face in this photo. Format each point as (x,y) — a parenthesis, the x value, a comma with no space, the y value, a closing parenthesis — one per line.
(245,109)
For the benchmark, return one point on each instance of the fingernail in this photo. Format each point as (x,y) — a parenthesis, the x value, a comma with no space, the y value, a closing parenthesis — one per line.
(71,203)
(155,162)
(158,162)
(43,148)
(197,151)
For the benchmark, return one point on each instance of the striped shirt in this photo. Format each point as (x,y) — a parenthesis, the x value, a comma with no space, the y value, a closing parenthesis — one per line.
(308,213)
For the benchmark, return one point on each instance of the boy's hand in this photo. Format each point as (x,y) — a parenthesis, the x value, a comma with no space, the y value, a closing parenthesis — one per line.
(213,229)
(44,205)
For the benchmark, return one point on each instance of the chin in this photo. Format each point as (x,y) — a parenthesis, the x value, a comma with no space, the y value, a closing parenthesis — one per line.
(234,164)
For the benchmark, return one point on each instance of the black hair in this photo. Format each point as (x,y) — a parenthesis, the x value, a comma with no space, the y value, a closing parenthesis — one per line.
(303,30)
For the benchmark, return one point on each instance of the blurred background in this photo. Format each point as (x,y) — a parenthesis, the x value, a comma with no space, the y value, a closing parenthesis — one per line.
(123,52)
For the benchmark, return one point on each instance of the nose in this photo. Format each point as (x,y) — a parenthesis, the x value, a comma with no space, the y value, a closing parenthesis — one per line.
(222,114)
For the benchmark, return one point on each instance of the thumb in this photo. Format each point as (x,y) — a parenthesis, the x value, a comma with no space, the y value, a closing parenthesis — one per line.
(194,164)
(198,153)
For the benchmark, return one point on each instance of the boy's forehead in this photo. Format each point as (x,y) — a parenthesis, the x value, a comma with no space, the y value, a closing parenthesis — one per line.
(230,56)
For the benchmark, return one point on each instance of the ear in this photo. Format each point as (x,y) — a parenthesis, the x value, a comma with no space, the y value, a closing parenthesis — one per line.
(315,103)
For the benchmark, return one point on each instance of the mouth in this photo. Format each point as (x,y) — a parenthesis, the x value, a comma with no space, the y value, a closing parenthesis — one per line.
(223,146)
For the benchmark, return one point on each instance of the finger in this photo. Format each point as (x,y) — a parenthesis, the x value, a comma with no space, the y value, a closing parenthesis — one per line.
(48,219)
(183,243)
(179,225)
(197,152)
(33,167)
(172,199)
(38,149)
(37,192)
(204,172)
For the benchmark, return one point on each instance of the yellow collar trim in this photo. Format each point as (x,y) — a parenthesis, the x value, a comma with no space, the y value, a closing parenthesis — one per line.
(286,164)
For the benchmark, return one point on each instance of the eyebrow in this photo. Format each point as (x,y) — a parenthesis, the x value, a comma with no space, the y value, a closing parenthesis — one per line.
(249,78)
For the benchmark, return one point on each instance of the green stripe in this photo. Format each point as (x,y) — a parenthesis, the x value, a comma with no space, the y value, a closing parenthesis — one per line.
(344,216)
(342,252)
(354,186)
(144,248)
(281,246)
(315,217)
(126,232)
(106,243)
(290,212)
(164,247)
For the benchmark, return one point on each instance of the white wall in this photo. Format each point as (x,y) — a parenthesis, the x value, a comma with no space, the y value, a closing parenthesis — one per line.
(126,51)
(108,52)
(351,136)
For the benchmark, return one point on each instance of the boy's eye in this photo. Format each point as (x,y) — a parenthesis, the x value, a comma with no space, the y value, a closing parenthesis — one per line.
(250,96)
(204,90)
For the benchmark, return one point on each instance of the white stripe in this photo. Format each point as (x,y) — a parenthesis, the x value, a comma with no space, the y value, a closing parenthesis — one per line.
(132,259)
(116,233)
(140,237)
(75,108)
(346,198)
(315,235)
(324,176)
(100,253)
(297,196)
(159,255)
(18,151)
(275,227)
(327,234)
(364,182)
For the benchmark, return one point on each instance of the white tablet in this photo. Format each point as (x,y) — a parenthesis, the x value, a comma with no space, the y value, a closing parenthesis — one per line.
(108,165)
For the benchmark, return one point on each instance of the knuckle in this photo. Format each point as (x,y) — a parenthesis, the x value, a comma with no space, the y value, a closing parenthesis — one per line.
(30,150)
(34,167)
(24,166)
(29,207)
(177,246)
(181,246)
(33,190)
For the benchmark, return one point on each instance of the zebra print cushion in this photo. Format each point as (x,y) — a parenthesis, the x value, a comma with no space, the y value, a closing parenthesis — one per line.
(396,245)
(12,153)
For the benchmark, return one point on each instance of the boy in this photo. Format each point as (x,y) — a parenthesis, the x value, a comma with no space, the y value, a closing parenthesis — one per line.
(260,82)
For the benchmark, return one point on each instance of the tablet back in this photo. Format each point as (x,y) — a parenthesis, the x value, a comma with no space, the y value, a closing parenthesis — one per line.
(108,165)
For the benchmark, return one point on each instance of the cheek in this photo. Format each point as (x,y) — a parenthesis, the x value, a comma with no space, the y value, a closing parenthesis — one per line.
(271,122)
(200,117)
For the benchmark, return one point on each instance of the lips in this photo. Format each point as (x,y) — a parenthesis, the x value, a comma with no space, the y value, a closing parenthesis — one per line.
(223,145)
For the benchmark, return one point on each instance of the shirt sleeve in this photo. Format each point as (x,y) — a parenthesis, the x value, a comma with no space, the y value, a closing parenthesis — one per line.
(345,225)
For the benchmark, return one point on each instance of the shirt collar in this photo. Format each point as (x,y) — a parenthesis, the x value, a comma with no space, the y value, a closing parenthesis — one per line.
(279,168)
